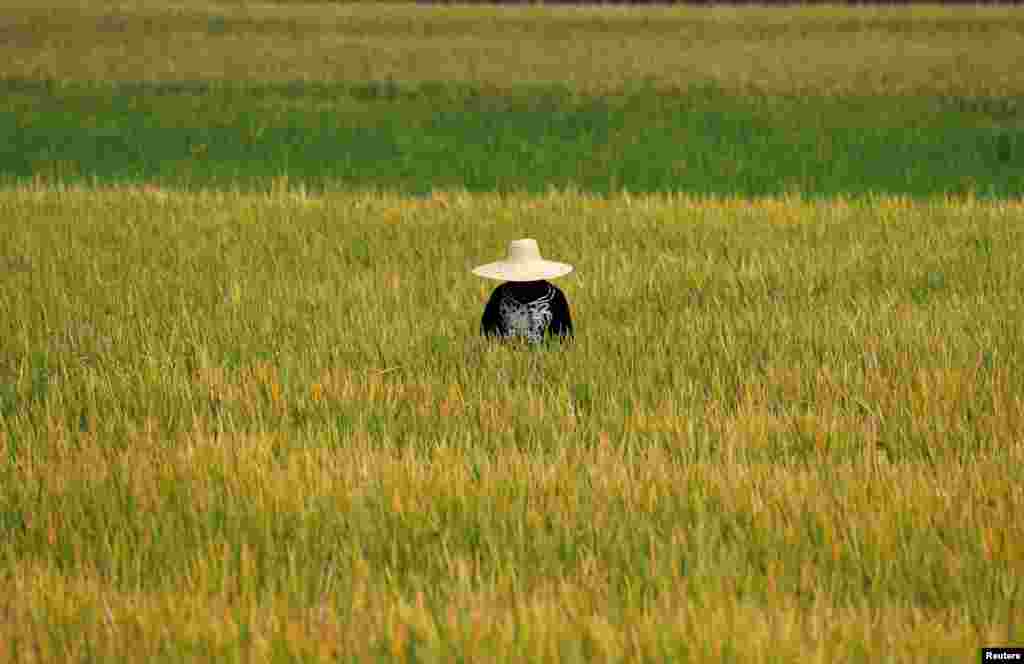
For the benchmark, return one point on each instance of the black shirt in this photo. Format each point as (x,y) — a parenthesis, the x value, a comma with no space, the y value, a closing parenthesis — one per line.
(527,309)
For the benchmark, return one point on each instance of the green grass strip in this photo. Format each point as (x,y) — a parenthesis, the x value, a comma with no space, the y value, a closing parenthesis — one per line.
(417,138)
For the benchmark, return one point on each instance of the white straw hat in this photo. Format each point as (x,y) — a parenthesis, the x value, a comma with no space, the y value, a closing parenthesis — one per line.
(523,263)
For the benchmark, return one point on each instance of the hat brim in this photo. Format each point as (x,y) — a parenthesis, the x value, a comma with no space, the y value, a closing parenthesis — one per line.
(532,271)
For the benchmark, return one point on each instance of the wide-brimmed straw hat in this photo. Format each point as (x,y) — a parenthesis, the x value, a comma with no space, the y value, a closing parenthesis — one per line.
(523,263)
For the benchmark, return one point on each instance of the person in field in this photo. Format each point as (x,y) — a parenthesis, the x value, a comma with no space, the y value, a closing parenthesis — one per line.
(526,306)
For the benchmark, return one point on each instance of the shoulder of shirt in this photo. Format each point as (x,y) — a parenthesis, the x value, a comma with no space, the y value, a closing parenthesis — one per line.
(499,291)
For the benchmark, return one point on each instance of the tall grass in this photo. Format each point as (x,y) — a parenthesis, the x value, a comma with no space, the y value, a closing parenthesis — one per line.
(265,426)
(245,412)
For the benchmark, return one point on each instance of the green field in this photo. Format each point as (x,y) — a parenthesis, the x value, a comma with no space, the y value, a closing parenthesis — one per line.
(922,101)
(245,413)
(429,136)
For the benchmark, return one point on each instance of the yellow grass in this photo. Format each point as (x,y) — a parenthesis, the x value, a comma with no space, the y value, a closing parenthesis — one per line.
(252,444)
(264,427)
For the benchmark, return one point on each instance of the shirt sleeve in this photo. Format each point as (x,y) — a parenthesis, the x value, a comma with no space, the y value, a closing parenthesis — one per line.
(490,324)
(561,320)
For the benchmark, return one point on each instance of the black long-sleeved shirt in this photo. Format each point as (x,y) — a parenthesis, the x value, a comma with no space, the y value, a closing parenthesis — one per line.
(527,309)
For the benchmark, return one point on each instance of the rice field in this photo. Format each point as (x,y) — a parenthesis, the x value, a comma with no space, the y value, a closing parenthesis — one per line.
(972,54)
(258,422)
(819,101)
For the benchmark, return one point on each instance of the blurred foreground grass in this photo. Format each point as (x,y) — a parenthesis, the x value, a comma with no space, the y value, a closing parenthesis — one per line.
(264,426)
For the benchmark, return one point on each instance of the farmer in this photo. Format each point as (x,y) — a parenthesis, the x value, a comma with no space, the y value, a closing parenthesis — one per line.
(526,306)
